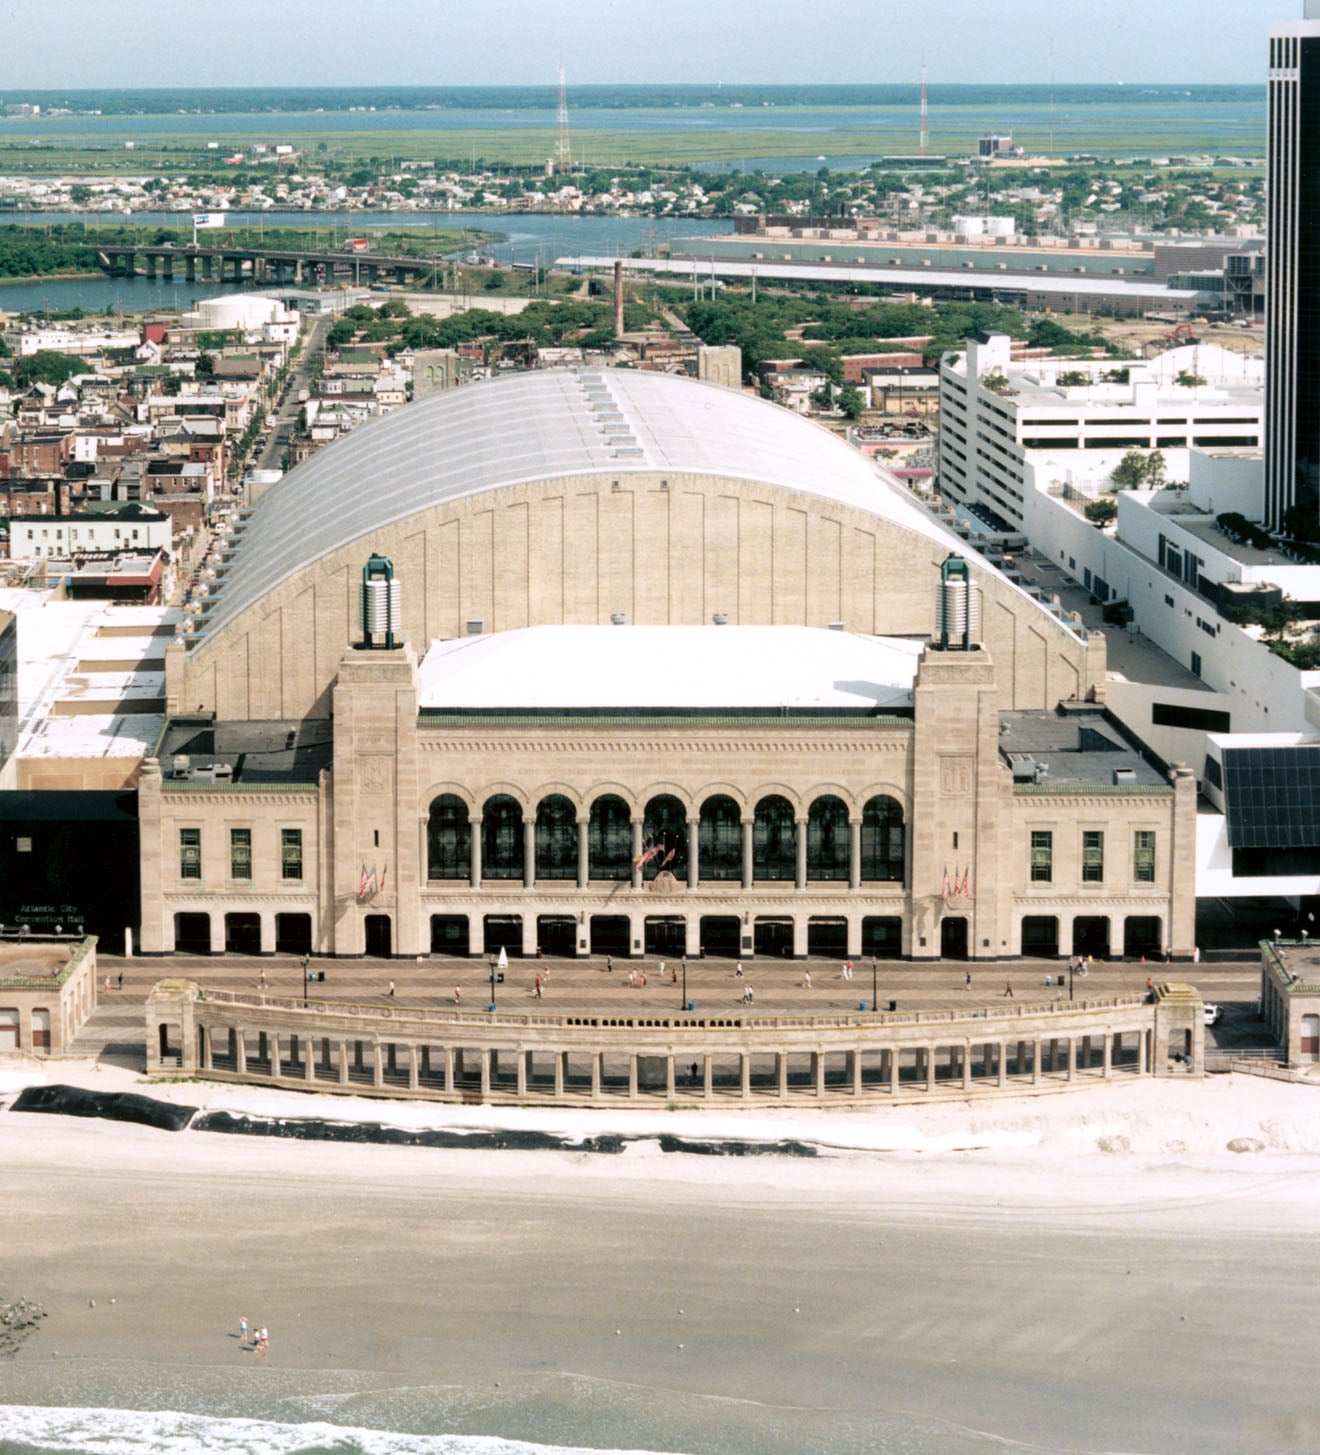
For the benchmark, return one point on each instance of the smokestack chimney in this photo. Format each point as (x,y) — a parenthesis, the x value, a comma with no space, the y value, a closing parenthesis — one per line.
(618,298)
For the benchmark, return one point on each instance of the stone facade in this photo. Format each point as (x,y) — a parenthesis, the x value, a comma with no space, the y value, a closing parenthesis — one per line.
(843,835)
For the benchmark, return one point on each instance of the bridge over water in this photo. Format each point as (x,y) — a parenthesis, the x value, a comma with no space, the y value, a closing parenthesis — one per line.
(224,263)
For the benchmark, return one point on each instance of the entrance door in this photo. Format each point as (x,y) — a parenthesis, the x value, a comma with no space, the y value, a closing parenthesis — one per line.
(449,934)
(953,938)
(609,934)
(503,932)
(192,934)
(719,934)
(1040,935)
(1091,936)
(380,936)
(556,934)
(773,937)
(293,934)
(243,934)
(665,936)
(828,937)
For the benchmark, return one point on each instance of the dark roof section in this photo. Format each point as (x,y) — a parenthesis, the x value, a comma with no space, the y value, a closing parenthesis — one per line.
(254,752)
(1272,796)
(1073,749)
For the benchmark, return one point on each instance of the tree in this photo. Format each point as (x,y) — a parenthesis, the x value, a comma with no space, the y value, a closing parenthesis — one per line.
(205,368)
(1130,472)
(850,400)
(1155,475)
(1100,512)
(47,366)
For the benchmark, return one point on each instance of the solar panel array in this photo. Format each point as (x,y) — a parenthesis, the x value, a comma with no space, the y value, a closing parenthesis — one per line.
(1273,797)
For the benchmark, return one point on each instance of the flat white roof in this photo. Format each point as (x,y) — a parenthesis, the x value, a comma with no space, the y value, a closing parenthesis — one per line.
(617,668)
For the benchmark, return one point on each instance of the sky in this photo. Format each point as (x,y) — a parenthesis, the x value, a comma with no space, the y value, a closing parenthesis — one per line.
(49,44)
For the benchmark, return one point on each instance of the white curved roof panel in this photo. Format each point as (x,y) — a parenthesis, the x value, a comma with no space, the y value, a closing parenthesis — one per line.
(537,426)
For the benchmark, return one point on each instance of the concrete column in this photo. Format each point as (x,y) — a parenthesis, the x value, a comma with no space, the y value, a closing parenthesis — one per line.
(669,1076)
(799,936)
(561,1060)
(1072,1057)
(818,1073)
(930,1068)
(414,1077)
(855,937)
(474,829)
(529,852)
(377,1064)
(966,1052)
(217,925)
(1107,1051)
(781,1069)
(632,1075)
(523,1058)
(343,1063)
(893,1070)
(423,857)
(206,1047)
(309,1059)
(1035,1062)
(595,1074)
(747,825)
(485,1075)
(800,837)
(708,1077)
(636,853)
(1021,1056)
(1003,1063)
(448,1069)
(1143,1052)
(584,861)
(855,1071)
(240,1052)
(745,1075)
(854,853)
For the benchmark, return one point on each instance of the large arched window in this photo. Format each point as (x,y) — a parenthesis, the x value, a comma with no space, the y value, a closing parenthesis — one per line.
(827,839)
(664,836)
(882,839)
(774,849)
(720,839)
(502,838)
(448,839)
(556,838)
(609,839)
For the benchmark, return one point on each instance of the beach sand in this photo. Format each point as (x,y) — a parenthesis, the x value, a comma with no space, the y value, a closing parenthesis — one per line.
(1092,1271)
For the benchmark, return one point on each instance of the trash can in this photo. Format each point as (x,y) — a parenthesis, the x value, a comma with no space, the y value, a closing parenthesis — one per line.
(893,1005)
(691,1005)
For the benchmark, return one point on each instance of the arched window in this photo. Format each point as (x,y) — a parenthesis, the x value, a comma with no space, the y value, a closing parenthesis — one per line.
(882,839)
(720,839)
(448,839)
(609,839)
(556,838)
(774,849)
(664,837)
(502,838)
(827,839)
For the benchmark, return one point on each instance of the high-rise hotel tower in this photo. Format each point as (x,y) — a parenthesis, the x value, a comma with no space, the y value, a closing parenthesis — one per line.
(1292,367)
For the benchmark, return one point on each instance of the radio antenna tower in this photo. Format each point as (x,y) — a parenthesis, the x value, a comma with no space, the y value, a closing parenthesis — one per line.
(563,156)
(923,148)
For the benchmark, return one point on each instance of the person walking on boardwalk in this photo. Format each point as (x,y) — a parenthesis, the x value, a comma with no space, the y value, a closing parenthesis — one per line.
(391,991)
(539,983)
(1008,989)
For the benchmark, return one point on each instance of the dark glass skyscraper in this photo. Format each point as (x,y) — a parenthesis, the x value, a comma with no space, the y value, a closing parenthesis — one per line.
(1292,349)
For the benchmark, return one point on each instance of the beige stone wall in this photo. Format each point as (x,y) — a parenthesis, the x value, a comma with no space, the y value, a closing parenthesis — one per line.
(660,549)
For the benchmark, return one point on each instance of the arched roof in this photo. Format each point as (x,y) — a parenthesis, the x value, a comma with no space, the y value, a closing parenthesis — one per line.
(537,426)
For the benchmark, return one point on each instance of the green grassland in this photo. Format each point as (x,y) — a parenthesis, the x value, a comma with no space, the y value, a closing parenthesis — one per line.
(1095,129)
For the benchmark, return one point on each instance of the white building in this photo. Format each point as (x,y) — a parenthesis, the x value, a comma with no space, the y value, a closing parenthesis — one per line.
(61,537)
(1007,428)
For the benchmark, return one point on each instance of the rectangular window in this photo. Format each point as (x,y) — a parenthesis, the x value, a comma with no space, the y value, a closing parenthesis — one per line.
(240,853)
(1042,856)
(1093,856)
(190,853)
(1143,856)
(291,853)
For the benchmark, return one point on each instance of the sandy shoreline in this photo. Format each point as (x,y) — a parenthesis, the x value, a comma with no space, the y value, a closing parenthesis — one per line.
(1039,1288)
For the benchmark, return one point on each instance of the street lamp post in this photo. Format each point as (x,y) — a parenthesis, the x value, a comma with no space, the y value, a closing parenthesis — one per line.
(1072,971)
(491,1006)
(875,996)
(683,1002)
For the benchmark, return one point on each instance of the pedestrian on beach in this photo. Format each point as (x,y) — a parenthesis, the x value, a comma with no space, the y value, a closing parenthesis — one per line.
(121,973)
(243,1332)
(1008,989)
(263,1341)
(391,988)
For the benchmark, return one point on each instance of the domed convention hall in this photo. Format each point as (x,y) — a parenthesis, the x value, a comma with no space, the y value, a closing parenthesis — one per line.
(621,663)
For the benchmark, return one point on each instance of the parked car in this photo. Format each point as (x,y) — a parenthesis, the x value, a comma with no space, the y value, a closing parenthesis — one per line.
(1213,1013)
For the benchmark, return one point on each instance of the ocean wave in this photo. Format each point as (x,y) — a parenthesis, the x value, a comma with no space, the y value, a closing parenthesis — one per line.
(41,1430)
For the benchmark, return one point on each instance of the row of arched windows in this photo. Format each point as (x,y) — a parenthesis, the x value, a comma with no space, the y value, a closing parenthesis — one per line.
(665,845)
